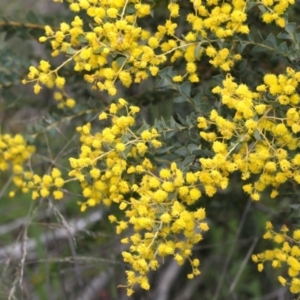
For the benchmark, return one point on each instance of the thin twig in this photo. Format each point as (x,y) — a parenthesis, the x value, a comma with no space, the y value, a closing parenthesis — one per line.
(231,252)
(6,186)
(21,24)
(15,251)
(237,277)
(23,252)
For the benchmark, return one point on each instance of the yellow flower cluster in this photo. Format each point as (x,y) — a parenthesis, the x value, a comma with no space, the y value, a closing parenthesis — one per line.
(43,75)
(63,100)
(113,168)
(162,223)
(14,153)
(286,254)
(273,11)
(105,154)
(258,137)
(44,186)
(117,48)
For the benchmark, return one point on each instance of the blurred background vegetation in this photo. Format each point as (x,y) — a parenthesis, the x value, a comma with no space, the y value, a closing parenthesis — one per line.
(51,251)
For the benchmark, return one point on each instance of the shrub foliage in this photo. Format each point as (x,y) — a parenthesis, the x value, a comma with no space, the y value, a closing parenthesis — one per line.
(194,100)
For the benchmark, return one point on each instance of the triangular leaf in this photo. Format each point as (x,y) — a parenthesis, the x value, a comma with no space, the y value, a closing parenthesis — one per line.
(182,151)
(70,50)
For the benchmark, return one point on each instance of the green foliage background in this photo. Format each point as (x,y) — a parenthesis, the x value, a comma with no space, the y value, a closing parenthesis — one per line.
(67,267)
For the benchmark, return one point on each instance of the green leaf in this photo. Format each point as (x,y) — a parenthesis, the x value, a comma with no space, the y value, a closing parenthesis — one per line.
(188,121)
(283,47)
(182,151)
(81,38)
(193,147)
(242,46)
(260,35)
(195,168)
(197,51)
(284,36)
(165,159)
(124,138)
(250,38)
(257,136)
(258,48)
(173,123)
(163,123)
(197,100)
(157,125)
(130,9)
(169,134)
(182,120)
(290,28)
(262,8)
(99,50)
(127,150)
(166,82)
(120,61)
(70,50)
(237,148)
(180,99)
(188,160)
(271,40)
(251,4)
(203,153)
(185,88)
(165,150)
(166,71)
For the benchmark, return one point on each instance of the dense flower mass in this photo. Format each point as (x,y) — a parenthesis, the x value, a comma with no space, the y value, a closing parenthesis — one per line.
(46,185)
(259,137)
(257,140)
(252,132)
(113,168)
(14,154)
(117,48)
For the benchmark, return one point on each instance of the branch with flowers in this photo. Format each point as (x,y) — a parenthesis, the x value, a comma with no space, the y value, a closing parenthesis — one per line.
(239,122)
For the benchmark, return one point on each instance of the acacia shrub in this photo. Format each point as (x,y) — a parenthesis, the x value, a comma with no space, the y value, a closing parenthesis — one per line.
(238,88)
